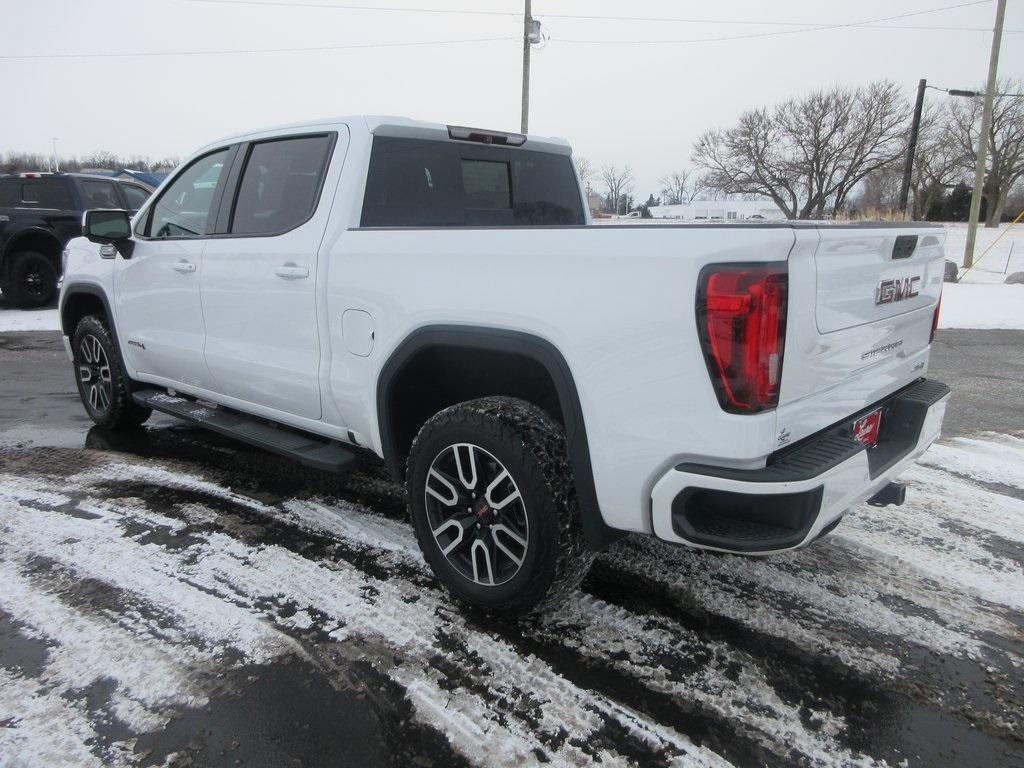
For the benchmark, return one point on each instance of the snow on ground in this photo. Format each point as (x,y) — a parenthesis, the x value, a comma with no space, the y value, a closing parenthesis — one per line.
(29,320)
(149,578)
(980,306)
(982,300)
(1005,246)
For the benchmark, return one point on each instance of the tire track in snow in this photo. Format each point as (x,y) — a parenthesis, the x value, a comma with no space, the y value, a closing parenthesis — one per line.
(848,580)
(394,614)
(702,697)
(987,458)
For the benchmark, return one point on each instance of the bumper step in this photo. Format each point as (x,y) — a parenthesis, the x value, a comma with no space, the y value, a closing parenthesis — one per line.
(904,414)
(804,489)
(309,450)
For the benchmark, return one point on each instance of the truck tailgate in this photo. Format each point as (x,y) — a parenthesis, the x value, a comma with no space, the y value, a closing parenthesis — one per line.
(861,305)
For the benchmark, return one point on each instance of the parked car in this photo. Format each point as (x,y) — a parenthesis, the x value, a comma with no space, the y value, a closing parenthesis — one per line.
(436,295)
(39,213)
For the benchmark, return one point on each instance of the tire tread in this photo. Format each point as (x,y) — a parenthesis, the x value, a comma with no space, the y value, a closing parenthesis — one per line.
(125,413)
(538,445)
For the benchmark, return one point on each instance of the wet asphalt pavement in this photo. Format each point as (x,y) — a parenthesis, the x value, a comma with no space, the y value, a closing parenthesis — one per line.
(171,598)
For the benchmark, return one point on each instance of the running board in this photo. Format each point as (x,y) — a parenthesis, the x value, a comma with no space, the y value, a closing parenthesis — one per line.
(312,451)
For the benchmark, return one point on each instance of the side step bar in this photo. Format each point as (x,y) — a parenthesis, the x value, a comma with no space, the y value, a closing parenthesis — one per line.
(312,451)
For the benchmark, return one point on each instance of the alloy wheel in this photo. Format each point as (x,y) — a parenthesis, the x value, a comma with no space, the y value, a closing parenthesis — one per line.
(34,283)
(477,514)
(94,372)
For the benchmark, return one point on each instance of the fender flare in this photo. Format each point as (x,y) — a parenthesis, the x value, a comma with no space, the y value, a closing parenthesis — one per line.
(11,245)
(90,289)
(597,532)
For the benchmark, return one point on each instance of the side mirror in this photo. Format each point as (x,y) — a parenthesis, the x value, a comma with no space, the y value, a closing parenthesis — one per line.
(109,227)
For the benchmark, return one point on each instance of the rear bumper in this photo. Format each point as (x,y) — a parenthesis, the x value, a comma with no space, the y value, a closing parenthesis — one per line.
(802,492)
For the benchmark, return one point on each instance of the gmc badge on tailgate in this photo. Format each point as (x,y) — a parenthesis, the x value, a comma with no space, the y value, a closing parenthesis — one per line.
(891,291)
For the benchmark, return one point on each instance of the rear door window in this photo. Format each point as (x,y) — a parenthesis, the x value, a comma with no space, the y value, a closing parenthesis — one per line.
(184,208)
(280,184)
(417,183)
(98,194)
(135,196)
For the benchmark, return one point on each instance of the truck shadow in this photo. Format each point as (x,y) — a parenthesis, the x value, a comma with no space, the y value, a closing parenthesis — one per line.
(265,476)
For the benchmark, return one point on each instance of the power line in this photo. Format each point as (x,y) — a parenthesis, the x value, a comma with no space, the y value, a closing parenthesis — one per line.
(593,17)
(385,9)
(875,23)
(309,49)
(773,23)
(355,46)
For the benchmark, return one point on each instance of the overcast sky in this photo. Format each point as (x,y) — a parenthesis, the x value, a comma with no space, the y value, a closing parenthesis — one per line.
(624,101)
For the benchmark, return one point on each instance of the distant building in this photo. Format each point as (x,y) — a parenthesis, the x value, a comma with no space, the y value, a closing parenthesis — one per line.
(721,210)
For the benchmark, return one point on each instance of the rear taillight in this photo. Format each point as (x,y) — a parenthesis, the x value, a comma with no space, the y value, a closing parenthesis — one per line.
(935,319)
(741,314)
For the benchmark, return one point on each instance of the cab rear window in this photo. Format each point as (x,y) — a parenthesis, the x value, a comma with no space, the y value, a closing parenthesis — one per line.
(424,183)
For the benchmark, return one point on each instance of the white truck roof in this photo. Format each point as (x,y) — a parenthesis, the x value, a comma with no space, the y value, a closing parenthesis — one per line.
(391,125)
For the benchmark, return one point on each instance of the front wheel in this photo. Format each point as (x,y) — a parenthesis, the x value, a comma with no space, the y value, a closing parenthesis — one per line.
(492,499)
(102,382)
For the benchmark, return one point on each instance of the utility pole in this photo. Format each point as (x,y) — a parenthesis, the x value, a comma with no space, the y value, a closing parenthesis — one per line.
(56,162)
(986,122)
(915,129)
(524,122)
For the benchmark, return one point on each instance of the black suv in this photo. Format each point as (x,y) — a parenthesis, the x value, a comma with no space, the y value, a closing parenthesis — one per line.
(39,213)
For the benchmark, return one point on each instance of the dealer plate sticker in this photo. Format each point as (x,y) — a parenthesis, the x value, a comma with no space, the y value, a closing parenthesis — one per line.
(866,428)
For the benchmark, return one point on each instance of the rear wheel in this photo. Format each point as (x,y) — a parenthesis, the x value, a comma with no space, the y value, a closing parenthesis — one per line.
(492,500)
(102,382)
(33,279)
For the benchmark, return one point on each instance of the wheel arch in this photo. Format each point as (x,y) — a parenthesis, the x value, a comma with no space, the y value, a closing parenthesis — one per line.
(412,387)
(81,299)
(34,239)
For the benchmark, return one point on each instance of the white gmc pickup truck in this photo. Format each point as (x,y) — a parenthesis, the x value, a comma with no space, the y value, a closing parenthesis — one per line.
(439,296)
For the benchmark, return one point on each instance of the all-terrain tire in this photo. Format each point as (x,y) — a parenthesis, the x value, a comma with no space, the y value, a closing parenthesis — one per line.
(32,280)
(102,382)
(530,445)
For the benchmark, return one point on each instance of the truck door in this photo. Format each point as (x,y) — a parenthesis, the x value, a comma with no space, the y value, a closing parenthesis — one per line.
(260,274)
(158,309)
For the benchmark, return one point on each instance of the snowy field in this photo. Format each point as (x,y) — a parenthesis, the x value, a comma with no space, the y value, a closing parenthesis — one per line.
(982,300)
(965,305)
(142,585)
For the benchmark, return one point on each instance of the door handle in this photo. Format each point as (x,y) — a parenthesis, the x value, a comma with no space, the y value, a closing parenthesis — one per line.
(291,271)
(185,267)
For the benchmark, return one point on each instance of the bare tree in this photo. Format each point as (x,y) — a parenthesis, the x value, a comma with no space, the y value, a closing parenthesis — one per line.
(18,162)
(675,187)
(586,172)
(807,154)
(880,191)
(748,158)
(103,159)
(939,161)
(1005,164)
(618,183)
